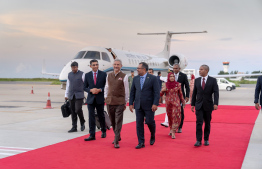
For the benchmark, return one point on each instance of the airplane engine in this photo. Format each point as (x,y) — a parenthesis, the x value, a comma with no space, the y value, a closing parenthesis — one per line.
(180,59)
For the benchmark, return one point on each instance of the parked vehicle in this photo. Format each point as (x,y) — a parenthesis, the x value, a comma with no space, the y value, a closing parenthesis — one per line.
(224,84)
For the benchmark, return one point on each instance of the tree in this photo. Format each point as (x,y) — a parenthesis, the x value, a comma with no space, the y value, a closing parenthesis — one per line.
(222,73)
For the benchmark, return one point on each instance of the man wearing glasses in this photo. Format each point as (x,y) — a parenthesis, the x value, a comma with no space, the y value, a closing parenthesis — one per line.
(145,94)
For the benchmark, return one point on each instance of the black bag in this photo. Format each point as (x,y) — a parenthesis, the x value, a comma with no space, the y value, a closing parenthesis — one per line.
(65,108)
(107,120)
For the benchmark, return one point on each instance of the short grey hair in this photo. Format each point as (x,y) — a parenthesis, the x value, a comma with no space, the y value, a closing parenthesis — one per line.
(176,64)
(118,60)
(205,67)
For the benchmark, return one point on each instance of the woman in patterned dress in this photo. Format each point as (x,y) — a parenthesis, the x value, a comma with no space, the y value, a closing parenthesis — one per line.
(191,85)
(174,98)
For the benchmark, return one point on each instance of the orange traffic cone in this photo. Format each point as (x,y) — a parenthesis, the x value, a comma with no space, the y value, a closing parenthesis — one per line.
(32,91)
(48,103)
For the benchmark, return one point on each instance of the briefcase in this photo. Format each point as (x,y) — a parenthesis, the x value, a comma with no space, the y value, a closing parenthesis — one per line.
(107,120)
(65,108)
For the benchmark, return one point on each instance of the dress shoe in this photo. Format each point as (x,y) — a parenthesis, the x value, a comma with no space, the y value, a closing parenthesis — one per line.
(116,145)
(179,130)
(164,124)
(72,130)
(90,138)
(206,143)
(152,140)
(83,127)
(140,145)
(103,135)
(198,143)
(118,140)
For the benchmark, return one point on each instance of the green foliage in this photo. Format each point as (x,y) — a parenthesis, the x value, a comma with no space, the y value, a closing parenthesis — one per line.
(242,82)
(222,73)
(54,81)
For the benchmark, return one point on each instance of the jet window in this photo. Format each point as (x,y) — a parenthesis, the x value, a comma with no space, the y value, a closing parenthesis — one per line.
(105,57)
(92,55)
(80,54)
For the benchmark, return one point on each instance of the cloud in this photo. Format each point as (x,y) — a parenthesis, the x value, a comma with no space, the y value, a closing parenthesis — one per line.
(226,39)
(20,68)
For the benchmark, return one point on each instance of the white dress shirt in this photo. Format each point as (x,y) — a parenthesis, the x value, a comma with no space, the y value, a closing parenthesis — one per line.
(176,76)
(205,79)
(126,86)
(68,83)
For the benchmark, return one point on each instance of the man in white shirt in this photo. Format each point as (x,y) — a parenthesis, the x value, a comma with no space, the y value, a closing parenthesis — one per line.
(75,94)
(116,97)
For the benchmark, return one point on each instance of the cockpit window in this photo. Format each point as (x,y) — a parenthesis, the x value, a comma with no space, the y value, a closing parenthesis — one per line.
(92,55)
(105,57)
(80,54)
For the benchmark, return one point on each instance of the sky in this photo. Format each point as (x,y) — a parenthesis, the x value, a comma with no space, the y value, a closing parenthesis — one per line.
(55,30)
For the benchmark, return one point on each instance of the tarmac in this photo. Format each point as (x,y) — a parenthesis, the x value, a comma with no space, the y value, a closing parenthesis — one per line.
(26,125)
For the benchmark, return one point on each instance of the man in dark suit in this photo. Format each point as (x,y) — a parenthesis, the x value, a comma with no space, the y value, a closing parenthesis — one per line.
(94,84)
(145,94)
(181,78)
(257,92)
(205,89)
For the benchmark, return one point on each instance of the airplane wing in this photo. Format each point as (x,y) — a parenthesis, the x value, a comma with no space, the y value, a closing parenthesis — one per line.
(237,75)
(45,73)
(53,74)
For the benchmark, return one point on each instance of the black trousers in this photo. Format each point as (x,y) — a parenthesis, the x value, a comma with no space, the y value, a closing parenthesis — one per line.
(201,116)
(92,121)
(150,121)
(76,110)
(182,118)
(116,113)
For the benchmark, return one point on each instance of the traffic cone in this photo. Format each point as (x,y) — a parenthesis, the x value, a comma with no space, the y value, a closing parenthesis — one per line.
(48,103)
(32,91)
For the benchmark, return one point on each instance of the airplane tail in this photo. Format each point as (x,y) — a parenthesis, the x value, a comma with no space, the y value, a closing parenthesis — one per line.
(166,52)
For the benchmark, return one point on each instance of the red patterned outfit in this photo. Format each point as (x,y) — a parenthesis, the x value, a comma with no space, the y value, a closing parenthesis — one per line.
(174,98)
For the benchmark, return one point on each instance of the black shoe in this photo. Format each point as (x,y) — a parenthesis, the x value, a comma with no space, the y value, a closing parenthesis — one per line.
(198,143)
(83,127)
(152,140)
(90,138)
(179,130)
(206,143)
(140,145)
(103,135)
(72,130)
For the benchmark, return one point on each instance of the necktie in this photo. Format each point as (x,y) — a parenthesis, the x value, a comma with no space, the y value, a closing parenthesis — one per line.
(203,84)
(95,78)
(141,82)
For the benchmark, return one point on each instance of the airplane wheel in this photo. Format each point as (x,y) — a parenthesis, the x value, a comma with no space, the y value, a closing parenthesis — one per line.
(229,88)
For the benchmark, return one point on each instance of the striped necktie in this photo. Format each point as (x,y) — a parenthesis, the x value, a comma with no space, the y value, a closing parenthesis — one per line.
(141,82)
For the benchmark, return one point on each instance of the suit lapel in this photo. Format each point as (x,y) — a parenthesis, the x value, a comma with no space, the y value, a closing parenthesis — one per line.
(98,77)
(179,77)
(208,82)
(146,81)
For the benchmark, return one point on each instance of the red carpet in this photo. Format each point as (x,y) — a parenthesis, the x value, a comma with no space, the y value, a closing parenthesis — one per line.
(231,128)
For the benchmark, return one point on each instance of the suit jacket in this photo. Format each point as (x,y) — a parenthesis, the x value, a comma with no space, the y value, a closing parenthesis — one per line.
(182,78)
(258,90)
(100,84)
(204,98)
(148,96)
